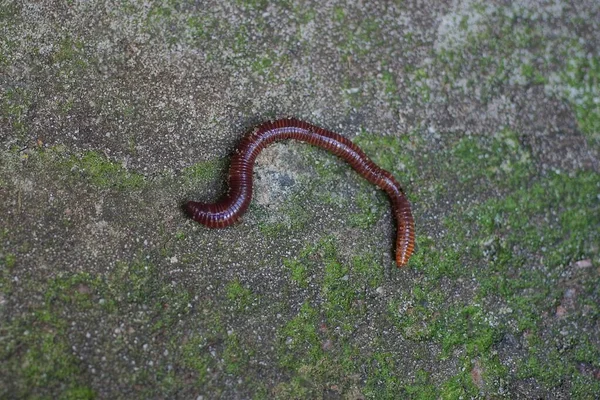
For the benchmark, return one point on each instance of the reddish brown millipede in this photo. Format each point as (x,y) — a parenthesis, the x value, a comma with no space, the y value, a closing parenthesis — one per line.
(237,200)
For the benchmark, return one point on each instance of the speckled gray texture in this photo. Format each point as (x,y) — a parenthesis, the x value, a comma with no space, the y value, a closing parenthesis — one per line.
(153,89)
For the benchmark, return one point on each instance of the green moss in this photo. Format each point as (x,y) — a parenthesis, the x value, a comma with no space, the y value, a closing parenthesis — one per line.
(299,343)
(272,229)
(370,211)
(466,326)
(78,393)
(367,268)
(390,153)
(549,368)
(137,282)
(584,387)
(158,17)
(533,75)
(382,381)
(329,371)
(501,161)
(419,87)
(45,362)
(71,51)
(241,41)
(48,362)
(337,287)
(458,387)
(37,358)
(415,314)
(206,170)
(423,388)
(434,260)
(527,217)
(492,52)
(10,16)
(199,27)
(582,77)
(390,87)
(162,11)
(253,4)
(304,14)
(242,298)
(93,168)
(76,289)
(556,216)
(491,375)
(170,304)
(15,106)
(236,356)
(296,388)
(523,240)
(506,41)
(357,41)
(195,356)
(262,65)
(7,263)
(556,213)
(133,282)
(298,270)
(261,392)
(339,14)
(9,12)
(9,260)
(504,245)
(103,173)
(338,292)
(326,165)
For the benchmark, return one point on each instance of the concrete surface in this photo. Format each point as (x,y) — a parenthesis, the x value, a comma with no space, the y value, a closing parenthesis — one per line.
(114,113)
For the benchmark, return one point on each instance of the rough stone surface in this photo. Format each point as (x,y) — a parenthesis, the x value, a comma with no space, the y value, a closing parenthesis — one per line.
(114,113)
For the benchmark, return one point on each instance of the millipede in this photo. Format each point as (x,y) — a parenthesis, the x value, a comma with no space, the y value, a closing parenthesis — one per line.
(229,209)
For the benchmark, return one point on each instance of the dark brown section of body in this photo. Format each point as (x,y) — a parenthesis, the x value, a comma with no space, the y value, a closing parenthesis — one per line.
(237,200)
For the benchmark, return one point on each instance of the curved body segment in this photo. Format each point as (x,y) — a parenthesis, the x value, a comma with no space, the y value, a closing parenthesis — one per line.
(234,204)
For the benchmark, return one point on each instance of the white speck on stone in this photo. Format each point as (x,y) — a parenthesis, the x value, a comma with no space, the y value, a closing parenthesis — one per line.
(587,263)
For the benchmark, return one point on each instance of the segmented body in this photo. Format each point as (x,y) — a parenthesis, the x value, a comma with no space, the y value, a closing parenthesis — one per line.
(234,204)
